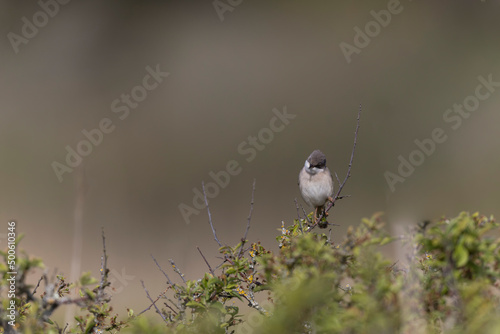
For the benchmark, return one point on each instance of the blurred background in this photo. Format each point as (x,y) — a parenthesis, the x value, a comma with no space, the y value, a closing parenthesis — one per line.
(67,67)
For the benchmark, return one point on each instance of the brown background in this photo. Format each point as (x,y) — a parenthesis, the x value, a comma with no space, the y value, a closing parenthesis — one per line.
(225,79)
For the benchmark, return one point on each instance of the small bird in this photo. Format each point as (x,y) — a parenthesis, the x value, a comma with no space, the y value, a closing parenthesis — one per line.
(316,183)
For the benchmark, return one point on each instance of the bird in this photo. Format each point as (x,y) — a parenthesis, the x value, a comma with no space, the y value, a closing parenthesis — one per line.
(316,183)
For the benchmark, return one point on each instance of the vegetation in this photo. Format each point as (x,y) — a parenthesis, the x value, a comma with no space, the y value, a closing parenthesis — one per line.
(444,280)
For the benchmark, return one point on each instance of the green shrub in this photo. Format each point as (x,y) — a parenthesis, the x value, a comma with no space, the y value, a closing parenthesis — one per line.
(445,281)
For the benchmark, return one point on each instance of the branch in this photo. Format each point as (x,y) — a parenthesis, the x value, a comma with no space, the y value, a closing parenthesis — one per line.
(251,210)
(164,273)
(153,303)
(156,300)
(244,239)
(203,256)
(170,307)
(210,215)
(177,270)
(37,285)
(303,211)
(298,214)
(297,207)
(104,270)
(305,214)
(78,225)
(337,195)
(338,180)
(348,175)
(248,295)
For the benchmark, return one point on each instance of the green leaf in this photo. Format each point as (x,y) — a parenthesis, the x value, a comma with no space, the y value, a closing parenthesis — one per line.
(385,241)
(90,325)
(230,271)
(87,279)
(214,280)
(219,306)
(460,255)
(195,305)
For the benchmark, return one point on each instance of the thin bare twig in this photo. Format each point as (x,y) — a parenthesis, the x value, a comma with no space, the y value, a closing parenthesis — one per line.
(153,303)
(220,265)
(208,264)
(59,329)
(348,175)
(210,215)
(164,273)
(173,303)
(345,196)
(78,224)
(156,300)
(177,270)
(104,269)
(298,215)
(37,285)
(170,307)
(338,180)
(297,207)
(244,240)
(305,214)
(337,195)
(251,210)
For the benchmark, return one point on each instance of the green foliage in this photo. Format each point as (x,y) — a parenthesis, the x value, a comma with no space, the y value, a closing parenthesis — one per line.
(443,278)
(449,281)
(34,305)
(324,288)
(458,269)
(207,305)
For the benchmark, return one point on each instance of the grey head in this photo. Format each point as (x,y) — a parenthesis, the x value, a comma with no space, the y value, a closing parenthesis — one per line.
(315,163)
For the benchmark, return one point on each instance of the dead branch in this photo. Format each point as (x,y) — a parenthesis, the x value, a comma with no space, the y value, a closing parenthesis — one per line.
(204,258)
(153,303)
(244,239)
(210,215)
(348,175)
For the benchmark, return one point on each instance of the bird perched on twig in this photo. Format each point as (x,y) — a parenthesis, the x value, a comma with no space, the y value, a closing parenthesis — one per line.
(316,183)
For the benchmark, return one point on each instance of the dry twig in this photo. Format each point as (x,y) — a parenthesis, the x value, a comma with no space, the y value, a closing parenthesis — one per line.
(153,303)
(177,270)
(337,195)
(210,215)
(244,239)
(204,258)
(164,273)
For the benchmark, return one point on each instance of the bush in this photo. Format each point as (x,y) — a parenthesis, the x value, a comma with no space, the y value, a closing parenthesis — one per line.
(447,281)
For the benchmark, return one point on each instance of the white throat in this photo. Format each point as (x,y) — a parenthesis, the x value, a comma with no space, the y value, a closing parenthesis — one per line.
(312,171)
